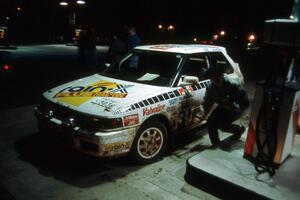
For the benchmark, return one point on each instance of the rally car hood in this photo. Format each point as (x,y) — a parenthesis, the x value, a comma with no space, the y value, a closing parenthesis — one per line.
(99,95)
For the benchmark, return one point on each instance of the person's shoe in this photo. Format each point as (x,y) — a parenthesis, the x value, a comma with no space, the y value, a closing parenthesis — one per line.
(215,145)
(237,135)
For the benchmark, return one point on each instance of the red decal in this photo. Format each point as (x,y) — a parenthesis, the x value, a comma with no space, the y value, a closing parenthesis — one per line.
(181,91)
(130,120)
(190,89)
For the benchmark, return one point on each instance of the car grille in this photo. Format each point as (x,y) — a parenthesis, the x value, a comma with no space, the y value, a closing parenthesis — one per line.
(64,114)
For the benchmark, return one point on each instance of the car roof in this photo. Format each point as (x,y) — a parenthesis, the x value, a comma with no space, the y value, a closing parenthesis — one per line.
(181,48)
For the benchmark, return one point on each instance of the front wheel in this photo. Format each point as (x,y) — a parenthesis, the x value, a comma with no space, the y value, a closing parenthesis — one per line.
(150,142)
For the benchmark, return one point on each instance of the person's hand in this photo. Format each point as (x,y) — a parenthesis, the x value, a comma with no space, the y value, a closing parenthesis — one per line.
(227,104)
(199,119)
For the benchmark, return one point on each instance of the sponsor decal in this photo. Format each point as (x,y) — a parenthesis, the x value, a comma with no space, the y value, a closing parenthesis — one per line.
(164,47)
(172,101)
(106,103)
(76,95)
(189,88)
(131,120)
(181,91)
(119,146)
(153,110)
(186,91)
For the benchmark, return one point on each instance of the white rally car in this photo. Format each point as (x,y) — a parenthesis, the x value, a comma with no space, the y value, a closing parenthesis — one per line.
(137,103)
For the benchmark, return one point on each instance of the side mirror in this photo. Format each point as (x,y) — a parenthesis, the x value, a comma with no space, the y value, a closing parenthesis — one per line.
(237,64)
(107,65)
(189,80)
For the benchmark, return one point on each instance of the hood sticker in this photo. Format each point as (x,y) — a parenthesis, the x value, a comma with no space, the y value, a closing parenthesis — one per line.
(76,95)
(107,104)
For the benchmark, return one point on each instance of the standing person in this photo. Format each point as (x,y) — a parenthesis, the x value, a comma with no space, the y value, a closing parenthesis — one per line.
(116,49)
(133,39)
(224,102)
(91,46)
(82,46)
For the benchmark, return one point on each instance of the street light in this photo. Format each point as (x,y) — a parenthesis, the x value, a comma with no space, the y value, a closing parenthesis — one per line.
(215,37)
(222,33)
(80,2)
(63,3)
(171,28)
(251,37)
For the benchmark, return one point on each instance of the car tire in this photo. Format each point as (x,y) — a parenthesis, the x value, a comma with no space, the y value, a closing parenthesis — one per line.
(150,142)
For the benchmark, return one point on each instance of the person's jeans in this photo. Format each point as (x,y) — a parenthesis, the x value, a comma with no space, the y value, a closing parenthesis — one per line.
(221,119)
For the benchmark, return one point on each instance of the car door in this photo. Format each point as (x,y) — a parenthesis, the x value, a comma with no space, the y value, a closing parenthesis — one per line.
(192,95)
(190,103)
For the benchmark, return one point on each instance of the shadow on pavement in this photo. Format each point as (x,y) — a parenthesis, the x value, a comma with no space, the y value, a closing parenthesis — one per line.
(184,141)
(4,194)
(54,158)
(230,144)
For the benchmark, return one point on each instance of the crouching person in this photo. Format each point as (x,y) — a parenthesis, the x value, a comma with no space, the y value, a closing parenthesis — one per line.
(224,102)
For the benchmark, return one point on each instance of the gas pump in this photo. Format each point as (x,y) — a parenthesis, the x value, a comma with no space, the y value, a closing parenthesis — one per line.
(274,115)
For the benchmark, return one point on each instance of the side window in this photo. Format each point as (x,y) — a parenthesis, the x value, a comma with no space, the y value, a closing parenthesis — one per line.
(196,65)
(130,62)
(217,58)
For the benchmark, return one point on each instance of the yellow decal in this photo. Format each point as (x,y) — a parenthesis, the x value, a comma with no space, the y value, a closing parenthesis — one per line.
(117,146)
(76,95)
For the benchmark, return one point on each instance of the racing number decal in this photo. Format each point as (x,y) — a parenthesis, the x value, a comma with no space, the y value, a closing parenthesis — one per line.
(183,118)
(186,116)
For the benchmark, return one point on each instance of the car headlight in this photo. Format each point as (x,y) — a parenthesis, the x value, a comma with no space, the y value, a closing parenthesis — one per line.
(107,123)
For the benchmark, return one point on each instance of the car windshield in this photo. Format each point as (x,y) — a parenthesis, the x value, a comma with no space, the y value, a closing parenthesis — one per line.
(148,67)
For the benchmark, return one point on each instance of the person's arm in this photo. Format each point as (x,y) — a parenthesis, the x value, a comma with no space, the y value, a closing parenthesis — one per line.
(209,110)
(241,96)
(209,105)
(203,116)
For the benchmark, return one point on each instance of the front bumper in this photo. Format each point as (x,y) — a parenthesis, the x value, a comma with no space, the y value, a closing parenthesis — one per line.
(89,141)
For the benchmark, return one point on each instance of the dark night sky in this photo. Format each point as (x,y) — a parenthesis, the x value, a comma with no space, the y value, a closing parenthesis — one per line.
(42,19)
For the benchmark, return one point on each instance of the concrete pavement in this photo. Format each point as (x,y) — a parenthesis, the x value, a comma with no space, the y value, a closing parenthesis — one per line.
(228,168)
(32,168)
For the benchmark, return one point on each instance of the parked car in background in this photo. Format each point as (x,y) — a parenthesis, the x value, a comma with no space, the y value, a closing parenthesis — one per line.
(6,68)
(137,103)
